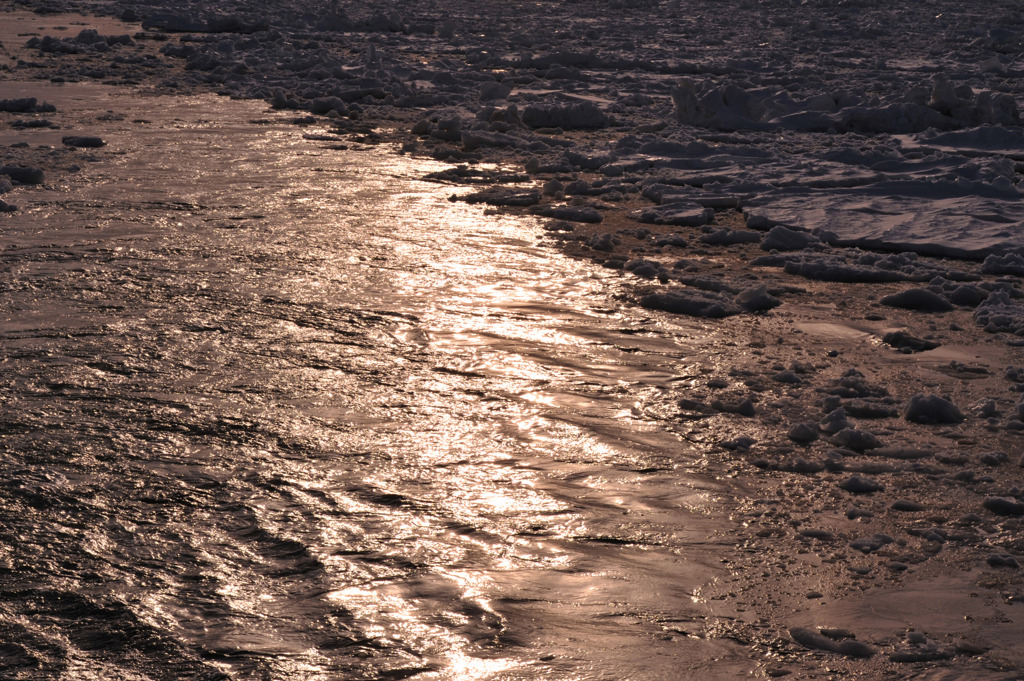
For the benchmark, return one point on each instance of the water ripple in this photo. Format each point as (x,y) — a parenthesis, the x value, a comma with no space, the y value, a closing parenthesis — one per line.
(275,411)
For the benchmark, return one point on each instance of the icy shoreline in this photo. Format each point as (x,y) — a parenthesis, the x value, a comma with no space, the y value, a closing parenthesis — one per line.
(837,186)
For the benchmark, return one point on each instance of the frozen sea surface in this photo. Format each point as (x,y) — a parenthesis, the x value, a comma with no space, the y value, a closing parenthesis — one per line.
(893,126)
(274,408)
(880,125)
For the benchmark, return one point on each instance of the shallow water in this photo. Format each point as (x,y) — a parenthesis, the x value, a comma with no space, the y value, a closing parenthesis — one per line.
(276,409)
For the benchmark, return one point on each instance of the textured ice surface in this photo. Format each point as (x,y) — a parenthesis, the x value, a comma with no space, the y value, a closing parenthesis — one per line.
(833,119)
(959,219)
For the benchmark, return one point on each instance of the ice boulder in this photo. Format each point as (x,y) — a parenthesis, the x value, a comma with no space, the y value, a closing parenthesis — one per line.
(856,484)
(494,90)
(682,214)
(932,409)
(728,107)
(920,299)
(1004,506)
(816,641)
(82,141)
(692,303)
(757,299)
(998,314)
(25,105)
(782,238)
(324,105)
(905,342)
(23,174)
(1010,263)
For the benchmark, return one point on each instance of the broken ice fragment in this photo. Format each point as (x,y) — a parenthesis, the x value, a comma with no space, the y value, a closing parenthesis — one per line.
(757,299)
(872,543)
(812,639)
(932,409)
(902,340)
(857,440)
(920,299)
(692,303)
(856,484)
(1004,506)
(82,141)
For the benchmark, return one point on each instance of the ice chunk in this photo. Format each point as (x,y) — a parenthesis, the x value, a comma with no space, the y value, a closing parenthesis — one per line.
(1004,506)
(25,105)
(927,408)
(803,433)
(497,196)
(918,299)
(829,268)
(570,213)
(854,384)
(757,299)
(872,543)
(1002,560)
(681,214)
(856,440)
(901,340)
(835,421)
(815,640)
(23,174)
(967,295)
(743,407)
(979,141)
(177,23)
(474,139)
(692,303)
(82,141)
(781,238)
(729,237)
(727,107)
(325,105)
(901,453)
(1011,263)
(997,314)
(493,90)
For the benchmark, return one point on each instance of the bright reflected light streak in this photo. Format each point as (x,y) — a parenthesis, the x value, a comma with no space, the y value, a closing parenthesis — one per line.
(393,617)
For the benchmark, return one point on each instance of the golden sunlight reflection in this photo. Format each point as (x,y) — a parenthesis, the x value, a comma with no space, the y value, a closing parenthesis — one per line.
(389,616)
(548,432)
(390,436)
(462,667)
